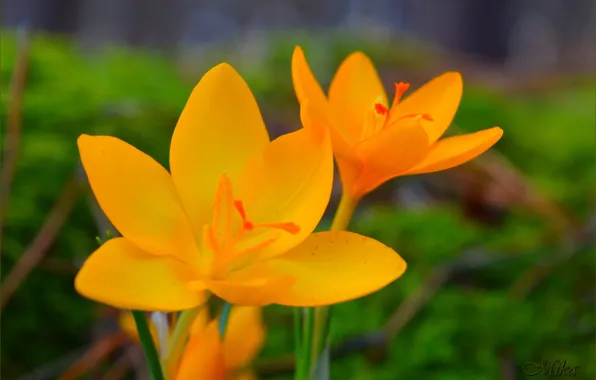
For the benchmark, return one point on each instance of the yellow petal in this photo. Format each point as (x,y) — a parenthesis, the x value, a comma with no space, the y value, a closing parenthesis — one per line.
(290,183)
(453,151)
(219,130)
(203,357)
(313,116)
(244,337)
(439,98)
(387,155)
(305,83)
(138,196)
(353,91)
(128,325)
(201,321)
(336,266)
(124,276)
(256,291)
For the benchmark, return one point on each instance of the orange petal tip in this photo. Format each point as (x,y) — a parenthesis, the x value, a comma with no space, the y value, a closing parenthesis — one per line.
(496,132)
(455,75)
(82,138)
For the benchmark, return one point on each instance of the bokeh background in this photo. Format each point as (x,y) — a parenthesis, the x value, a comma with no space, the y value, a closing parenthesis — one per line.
(500,251)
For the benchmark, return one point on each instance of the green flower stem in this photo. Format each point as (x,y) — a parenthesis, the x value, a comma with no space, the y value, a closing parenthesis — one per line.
(148,345)
(322,323)
(298,343)
(223,319)
(304,365)
(179,336)
(320,339)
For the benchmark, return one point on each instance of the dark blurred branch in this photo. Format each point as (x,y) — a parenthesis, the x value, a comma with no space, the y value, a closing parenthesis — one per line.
(408,309)
(58,266)
(42,242)
(14,122)
(123,364)
(93,356)
(507,365)
(494,170)
(575,241)
(51,370)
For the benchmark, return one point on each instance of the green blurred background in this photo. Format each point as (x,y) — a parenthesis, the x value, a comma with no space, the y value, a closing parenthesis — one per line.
(500,251)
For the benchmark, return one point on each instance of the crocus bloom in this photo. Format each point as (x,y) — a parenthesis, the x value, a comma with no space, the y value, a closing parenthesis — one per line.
(374,142)
(207,356)
(234,216)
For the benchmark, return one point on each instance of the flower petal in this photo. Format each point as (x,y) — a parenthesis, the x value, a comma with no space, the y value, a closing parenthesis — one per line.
(335,266)
(388,154)
(124,276)
(120,176)
(219,130)
(290,183)
(453,151)
(350,166)
(354,89)
(201,321)
(128,325)
(244,337)
(203,357)
(439,98)
(305,83)
(256,291)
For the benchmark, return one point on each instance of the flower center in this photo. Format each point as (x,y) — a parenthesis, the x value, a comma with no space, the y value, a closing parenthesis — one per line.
(378,117)
(232,234)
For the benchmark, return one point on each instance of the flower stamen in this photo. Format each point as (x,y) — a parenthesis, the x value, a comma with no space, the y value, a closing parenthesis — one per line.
(381,109)
(400,89)
(225,244)
(417,116)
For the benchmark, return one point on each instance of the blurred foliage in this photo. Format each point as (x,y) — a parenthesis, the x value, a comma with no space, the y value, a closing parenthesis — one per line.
(458,335)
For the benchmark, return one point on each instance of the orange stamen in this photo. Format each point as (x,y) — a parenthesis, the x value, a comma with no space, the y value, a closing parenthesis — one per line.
(381,109)
(213,242)
(227,247)
(257,247)
(240,207)
(424,116)
(288,227)
(246,224)
(228,197)
(400,89)
(222,205)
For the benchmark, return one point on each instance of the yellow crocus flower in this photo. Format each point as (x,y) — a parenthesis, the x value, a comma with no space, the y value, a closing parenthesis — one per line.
(374,142)
(234,215)
(208,356)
